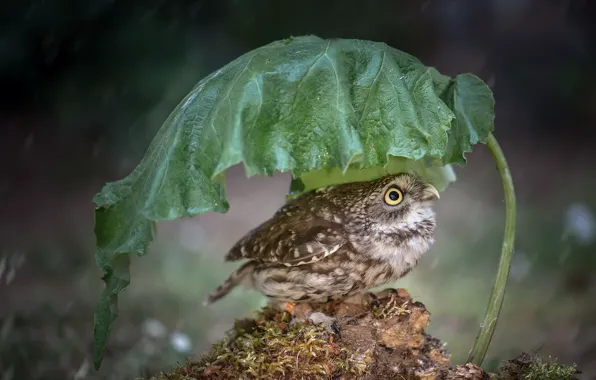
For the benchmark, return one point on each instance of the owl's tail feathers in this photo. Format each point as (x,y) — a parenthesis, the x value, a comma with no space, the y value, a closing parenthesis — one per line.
(235,278)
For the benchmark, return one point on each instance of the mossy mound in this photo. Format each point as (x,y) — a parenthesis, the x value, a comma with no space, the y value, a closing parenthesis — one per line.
(385,340)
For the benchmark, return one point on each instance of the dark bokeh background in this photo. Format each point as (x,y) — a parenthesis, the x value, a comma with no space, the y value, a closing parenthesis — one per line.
(85,86)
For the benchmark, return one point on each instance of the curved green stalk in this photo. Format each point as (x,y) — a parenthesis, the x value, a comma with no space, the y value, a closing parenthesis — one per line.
(487,328)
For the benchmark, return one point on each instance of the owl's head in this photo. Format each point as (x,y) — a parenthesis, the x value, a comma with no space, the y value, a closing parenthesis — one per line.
(400,198)
(395,200)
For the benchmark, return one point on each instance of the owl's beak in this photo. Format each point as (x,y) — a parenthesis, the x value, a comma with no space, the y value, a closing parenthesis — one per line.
(431,192)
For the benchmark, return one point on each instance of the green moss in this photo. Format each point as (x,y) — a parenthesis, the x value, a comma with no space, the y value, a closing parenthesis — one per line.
(526,367)
(391,309)
(270,348)
(384,340)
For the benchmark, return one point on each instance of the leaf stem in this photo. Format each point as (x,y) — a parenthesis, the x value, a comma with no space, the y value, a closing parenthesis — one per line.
(487,328)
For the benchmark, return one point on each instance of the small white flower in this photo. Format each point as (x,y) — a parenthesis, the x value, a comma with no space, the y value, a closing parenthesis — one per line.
(180,342)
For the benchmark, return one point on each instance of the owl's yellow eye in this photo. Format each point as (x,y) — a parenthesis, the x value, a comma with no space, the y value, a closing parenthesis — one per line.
(393,196)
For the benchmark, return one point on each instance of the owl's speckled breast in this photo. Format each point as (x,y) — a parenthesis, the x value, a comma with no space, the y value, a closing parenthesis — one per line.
(339,276)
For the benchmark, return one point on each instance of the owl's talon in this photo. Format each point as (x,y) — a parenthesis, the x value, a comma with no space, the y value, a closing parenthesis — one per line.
(289,307)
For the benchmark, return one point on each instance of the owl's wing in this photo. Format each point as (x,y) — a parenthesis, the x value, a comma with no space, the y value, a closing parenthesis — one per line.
(290,241)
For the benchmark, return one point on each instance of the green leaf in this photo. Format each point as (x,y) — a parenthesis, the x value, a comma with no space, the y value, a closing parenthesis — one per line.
(302,104)
(474,106)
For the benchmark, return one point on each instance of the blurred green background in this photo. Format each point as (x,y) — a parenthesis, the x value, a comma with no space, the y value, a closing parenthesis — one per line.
(85,86)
